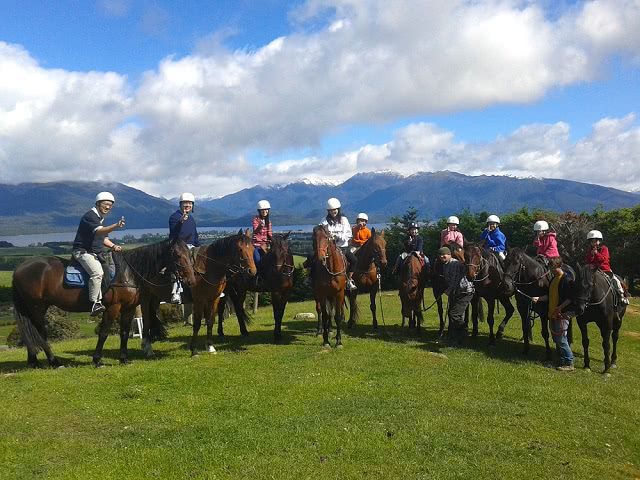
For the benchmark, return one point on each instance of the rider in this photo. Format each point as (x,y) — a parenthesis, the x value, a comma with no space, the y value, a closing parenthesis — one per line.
(451,233)
(545,241)
(413,243)
(494,239)
(262,231)
(360,232)
(91,240)
(182,226)
(340,229)
(598,257)
(460,291)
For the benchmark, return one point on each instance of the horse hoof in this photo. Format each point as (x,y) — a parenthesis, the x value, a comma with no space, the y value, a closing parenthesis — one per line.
(587,369)
(499,335)
(211,349)
(606,374)
(339,346)
(195,354)
(98,364)
(124,361)
(613,365)
(326,346)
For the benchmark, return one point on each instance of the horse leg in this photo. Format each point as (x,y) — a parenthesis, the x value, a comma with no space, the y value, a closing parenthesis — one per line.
(197,321)
(209,314)
(524,312)
(103,333)
(326,323)
(339,315)
(40,323)
(221,307)
(475,301)
(372,306)
(279,303)
(605,330)
(585,343)
(418,314)
(491,303)
(320,316)
(126,317)
(352,300)
(149,308)
(441,316)
(508,313)
(545,334)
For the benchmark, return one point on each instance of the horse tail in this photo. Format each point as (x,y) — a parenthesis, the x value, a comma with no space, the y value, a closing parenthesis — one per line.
(159,327)
(31,336)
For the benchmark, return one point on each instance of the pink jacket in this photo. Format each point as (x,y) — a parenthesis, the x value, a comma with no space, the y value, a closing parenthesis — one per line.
(547,245)
(261,233)
(447,236)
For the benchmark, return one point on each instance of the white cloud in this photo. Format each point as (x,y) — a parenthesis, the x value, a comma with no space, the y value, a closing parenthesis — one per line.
(192,121)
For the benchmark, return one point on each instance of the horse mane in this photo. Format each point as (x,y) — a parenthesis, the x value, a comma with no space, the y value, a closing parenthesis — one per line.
(148,259)
(224,246)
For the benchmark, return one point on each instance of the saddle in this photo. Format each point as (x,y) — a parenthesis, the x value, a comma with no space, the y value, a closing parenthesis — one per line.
(75,276)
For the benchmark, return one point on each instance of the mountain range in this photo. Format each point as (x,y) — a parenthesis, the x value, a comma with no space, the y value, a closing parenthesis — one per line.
(57,206)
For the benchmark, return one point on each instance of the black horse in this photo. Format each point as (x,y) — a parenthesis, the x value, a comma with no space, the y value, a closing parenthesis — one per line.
(490,285)
(528,278)
(276,276)
(596,300)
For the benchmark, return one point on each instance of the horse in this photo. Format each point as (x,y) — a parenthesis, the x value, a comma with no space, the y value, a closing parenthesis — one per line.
(329,281)
(412,281)
(276,273)
(489,284)
(38,284)
(527,278)
(596,301)
(371,257)
(223,259)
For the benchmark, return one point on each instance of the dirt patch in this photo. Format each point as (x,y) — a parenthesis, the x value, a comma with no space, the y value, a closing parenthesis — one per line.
(631,334)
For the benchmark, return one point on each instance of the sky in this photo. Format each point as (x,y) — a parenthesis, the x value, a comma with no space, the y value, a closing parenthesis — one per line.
(213,97)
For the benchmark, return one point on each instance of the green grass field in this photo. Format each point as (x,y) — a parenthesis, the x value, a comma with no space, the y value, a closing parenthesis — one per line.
(5,278)
(388,405)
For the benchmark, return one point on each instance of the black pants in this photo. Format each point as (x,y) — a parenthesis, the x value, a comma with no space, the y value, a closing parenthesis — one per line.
(457,306)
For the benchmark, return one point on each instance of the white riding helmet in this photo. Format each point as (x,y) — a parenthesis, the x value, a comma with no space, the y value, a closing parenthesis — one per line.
(362,216)
(102,196)
(594,234)
(187,197)
(263,205)
(453,219)
(493,219)
(540,226)
(333,203)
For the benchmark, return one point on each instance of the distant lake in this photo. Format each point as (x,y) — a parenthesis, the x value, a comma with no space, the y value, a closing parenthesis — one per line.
(26,240)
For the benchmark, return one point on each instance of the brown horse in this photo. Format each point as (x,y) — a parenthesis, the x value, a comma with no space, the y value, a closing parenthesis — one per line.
(371,257)
(276,275)
(489,284)
(412,281)
(224,259)
(329,281)
(38,283)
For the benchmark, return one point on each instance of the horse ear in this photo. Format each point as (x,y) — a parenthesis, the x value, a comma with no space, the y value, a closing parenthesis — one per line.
(246,233)
(286,235)
(373,232)
(240,232)
(382,233)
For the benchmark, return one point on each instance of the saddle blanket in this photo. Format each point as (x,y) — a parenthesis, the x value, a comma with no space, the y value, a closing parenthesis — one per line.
(75,277)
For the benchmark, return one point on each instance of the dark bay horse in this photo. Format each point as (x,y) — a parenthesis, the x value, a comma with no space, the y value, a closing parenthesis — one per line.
(489,284)
(37,284)
(224,259)
(412,280)
(526,277)
(329,281)
(371,257)
(276,273)
(596,301)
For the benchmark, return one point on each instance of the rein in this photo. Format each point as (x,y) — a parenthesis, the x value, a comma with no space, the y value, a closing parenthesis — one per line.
(143,278)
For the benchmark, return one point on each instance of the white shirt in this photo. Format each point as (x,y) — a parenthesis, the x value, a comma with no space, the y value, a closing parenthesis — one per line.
(340,231)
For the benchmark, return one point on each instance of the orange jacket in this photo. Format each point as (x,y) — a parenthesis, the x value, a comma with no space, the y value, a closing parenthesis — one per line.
(360,235)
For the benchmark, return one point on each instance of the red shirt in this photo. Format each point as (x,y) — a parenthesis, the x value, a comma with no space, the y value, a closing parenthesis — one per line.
(599,259)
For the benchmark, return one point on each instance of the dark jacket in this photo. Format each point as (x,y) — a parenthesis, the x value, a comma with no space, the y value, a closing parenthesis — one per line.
(184,230)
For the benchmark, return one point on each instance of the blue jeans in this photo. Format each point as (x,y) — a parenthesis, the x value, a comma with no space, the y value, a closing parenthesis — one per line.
(257,255)
(559,333)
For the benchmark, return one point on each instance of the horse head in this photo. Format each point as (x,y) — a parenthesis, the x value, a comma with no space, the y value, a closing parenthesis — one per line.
(321,240)
(583,288)
(378,246)
(243,254)
(281,258)
(473,260)
(181,259)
